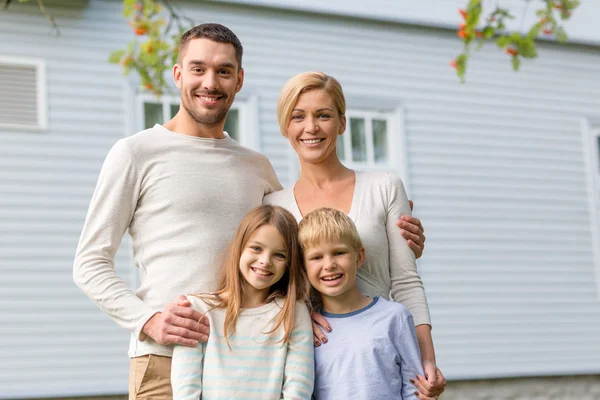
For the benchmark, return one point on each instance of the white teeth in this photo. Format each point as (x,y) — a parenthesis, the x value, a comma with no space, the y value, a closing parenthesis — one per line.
(331,278)
(312,141)
(209,99)
(261,272)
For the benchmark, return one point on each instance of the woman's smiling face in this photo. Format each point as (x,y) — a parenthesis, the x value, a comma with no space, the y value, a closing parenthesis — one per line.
(314,126)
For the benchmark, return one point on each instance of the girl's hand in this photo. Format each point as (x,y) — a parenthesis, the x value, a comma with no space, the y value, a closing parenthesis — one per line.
(412,230)
(431,386)
(319,324)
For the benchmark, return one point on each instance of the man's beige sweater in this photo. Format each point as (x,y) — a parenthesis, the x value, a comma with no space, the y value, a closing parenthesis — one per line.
(181,198)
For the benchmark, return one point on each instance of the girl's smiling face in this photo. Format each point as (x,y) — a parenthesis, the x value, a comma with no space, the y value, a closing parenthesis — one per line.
(263,263)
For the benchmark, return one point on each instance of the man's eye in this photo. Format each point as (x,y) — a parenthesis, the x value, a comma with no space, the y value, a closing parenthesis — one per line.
(340,253)
(225,72)
(197,70)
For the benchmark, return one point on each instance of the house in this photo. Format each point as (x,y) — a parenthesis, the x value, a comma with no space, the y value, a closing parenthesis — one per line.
(503,170)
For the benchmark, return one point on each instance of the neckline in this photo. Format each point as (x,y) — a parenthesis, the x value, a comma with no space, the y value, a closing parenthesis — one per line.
(351,313)
(223,140)
(353,205)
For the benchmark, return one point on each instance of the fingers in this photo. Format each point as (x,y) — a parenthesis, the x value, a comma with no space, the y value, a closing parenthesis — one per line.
(321,321)
(415,248)
(183,301)
(427,389)
(318,334)
(319,324)
(422,386)
(184,323)
(411,224)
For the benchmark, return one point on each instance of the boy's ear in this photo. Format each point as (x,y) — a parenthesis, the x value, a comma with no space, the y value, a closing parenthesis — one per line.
(361,258)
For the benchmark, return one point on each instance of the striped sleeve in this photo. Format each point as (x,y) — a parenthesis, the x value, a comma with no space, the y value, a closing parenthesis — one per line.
(186,372)
(299,374)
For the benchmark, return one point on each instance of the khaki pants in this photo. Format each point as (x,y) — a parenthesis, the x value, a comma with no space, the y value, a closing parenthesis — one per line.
(150,378)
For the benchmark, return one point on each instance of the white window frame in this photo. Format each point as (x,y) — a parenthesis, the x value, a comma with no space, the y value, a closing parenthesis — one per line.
(397,161)
(41,93)
(591,150)
(247,108)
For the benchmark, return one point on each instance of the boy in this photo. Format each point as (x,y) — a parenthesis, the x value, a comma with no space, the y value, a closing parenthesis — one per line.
(373,350)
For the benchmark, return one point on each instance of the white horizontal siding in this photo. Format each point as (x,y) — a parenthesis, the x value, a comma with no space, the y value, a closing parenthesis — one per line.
(495,168)
(58,343)
(582,26)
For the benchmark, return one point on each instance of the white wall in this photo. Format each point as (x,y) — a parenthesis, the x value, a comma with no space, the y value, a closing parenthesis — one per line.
(581,27)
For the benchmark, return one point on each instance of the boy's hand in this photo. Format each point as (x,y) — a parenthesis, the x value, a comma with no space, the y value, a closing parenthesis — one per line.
(178,324)
(431,386)
(412,230)
(319,324)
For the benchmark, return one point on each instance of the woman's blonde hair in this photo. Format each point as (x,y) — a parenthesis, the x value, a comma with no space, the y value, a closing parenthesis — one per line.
(293,285)
(303,83)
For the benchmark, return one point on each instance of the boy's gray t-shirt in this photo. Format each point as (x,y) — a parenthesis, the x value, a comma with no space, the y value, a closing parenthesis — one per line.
(371,353)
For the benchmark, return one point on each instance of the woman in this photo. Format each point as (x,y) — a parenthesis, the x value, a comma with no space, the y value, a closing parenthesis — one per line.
(311,115)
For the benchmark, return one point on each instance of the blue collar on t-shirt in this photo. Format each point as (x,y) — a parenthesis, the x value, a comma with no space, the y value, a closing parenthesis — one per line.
(346,315)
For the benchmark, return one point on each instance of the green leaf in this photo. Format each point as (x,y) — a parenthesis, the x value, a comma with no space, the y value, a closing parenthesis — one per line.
(516,63)
(502,41)
(561,35)
(116,56)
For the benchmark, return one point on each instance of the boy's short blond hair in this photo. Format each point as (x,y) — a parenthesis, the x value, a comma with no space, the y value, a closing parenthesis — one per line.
(328,225)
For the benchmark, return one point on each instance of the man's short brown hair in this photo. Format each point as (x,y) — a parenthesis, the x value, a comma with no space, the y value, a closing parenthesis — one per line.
(215,32)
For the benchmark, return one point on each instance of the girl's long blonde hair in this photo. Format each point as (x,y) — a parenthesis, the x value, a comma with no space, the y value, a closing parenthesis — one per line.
(292,287)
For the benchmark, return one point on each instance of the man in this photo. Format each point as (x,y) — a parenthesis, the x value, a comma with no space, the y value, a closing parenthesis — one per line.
(180,189)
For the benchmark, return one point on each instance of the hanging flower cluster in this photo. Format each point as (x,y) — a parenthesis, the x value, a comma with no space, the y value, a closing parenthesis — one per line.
(157,27)
(477,28)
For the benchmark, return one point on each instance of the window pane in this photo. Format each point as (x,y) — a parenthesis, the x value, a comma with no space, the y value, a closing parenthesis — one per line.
(174,109)
(380,146)
(340,148)
(232,124)
(359,144)
(152,114)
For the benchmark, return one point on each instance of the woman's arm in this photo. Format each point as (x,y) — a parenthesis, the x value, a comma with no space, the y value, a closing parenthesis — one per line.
(299,374)
(407,286)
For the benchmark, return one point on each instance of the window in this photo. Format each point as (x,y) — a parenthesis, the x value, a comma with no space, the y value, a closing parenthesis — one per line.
(366,142)
(23,87)
(591,145)
(240,124)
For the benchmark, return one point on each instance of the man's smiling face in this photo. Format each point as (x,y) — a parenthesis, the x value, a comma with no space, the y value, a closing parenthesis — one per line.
(209,77)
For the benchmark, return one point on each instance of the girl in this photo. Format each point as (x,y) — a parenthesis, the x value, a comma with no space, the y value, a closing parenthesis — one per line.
(260,344)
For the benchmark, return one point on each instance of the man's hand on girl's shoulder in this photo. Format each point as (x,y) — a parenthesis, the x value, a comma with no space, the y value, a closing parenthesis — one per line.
(179,324)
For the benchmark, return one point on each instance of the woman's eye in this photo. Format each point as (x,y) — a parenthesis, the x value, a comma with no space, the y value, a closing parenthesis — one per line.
(324,116)
(316,258)
(255,248)
(280,256)
(296,117)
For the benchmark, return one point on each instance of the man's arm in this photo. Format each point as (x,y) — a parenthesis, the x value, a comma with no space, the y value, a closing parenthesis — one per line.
(109,215)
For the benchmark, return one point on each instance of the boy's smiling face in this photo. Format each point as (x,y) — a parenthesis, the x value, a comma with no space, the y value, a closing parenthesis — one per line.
(331,267)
